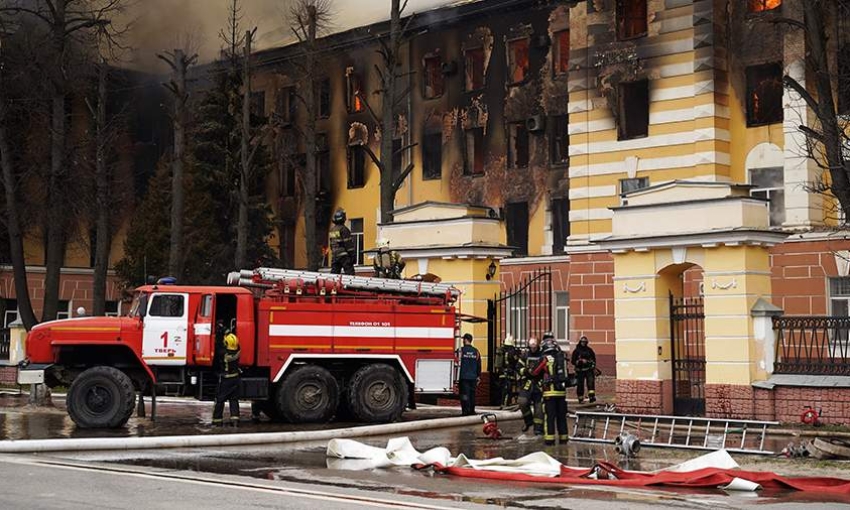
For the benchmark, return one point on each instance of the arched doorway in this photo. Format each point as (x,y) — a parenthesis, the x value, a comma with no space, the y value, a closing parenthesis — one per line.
(687,338)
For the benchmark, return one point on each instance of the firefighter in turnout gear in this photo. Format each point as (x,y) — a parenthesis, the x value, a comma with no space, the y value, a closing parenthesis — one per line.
(552,368)
(228,378)
(530,395)
(343,251)
(584,359)
(387,263)
(507,359)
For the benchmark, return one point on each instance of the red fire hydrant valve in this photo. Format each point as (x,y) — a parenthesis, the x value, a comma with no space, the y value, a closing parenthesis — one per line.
(810,416)
(491,426)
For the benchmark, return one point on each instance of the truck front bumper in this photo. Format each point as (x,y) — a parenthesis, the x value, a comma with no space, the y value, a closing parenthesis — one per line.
(32,374)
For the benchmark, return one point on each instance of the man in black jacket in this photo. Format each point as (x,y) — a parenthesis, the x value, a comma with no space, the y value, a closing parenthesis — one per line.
(584,359)
(470,371)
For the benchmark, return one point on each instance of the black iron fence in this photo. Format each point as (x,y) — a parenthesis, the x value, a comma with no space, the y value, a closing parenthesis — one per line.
(5,343)
(812,345)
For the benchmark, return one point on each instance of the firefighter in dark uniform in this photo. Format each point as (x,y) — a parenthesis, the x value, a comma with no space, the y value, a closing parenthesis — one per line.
(228,379)
(507,359)
(470,372)
(387,263)
(343,251)
(584,359)
(552,368)
(530,395)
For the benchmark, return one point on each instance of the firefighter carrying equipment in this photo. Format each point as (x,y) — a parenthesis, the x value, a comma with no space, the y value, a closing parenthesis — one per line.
(388,263)
(530,398)
(552,368)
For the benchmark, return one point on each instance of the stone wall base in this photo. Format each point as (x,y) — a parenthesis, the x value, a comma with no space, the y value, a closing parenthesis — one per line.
(783,404)
(644,397)
(8,376)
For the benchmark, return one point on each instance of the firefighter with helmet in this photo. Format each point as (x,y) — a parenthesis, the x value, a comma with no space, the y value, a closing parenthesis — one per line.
(343,251)
(552,369)
(584,359)
(228,378)
(387,263)
(507,359)
(530,395)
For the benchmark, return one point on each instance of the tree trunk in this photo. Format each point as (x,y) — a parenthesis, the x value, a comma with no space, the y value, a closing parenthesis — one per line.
(388,173)
(13,225)
(175,255)
(102,230)
(245,171)
(310,178)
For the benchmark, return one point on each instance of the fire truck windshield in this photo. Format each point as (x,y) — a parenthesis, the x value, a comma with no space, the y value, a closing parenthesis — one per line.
(140,305)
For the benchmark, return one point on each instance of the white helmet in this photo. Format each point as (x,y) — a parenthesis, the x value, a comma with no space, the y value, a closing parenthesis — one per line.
(383,243)
(509,341)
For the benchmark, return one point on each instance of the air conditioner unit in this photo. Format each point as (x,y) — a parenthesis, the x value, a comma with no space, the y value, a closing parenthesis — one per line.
(448,68)
(535,123)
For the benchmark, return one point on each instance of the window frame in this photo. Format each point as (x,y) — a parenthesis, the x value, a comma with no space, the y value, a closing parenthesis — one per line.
(511,230)
(432,76)
(770,192)
(558,321)
(512,57)
(356,153)
(324,172)
(469,70)
(154,299)
(559,220)
(555,127)
(515,130)
(753,83)
(475,167)
(322,98)
(432,159)
(622,21)
(286,104)
(257,103)
(557,53)
(353,85)
(356,226)
(626,121)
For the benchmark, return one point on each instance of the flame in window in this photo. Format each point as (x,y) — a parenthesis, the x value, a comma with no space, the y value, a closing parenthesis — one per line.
(763,5)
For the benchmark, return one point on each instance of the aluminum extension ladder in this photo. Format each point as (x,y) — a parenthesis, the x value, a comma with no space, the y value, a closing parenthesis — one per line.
(736,436)
(266,274)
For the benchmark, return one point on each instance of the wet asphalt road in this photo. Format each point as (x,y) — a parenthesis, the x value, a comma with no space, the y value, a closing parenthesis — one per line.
(288,469)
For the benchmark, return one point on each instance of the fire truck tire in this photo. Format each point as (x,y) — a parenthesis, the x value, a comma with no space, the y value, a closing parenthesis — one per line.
(377,394)
(101,397)
(309,394)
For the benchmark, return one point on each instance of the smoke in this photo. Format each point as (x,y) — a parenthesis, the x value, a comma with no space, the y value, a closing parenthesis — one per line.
(194,25)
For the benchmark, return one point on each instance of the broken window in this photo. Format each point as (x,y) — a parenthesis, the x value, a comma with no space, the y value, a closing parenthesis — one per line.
(474,154)
(432,156)
(474,68)
(286,104)
(764,94)
(631,19)
(517,61)
(433,76)
(258,103)
(763,5)
(354,100)
(561,55)
(633,120)
(518,148)
(769,184)
(516,223)
(356,167)
(322,98)
(323,164)
(560,224)
(559,140)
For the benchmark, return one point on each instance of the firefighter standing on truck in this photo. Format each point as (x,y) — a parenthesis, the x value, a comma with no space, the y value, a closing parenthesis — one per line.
(530,396)
(343,251)
(507,359)
(470,371)
(387,263)
(552,368)
(228,378)
(584,359)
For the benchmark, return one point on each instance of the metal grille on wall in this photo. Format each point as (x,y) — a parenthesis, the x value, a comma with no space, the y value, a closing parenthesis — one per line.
(687,335)
(812,345)
(523,311)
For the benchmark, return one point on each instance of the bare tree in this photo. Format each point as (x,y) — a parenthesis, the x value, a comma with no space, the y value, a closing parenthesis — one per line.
(308,19)
(391,97)
(247,156)
(69,24)
(179,63)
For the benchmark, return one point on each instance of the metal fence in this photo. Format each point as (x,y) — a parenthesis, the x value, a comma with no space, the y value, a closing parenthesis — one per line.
(812,345)
(5,342)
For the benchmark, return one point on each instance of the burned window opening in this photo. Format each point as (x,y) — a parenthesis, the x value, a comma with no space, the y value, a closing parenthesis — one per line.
(474,151)
(433,78)
(559,140)
(633,103)
(322,98)
(560,224)
(353,84)
(473,59)
(356,167)
(432,156)
(769,184)
(518,146)
(518,61)
(561,53)
(286,104)
(258,103)
(516,224)
(631,19)
(764,94)
(756,6)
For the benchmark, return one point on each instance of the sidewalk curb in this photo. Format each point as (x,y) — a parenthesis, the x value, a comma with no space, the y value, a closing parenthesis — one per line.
(147,443)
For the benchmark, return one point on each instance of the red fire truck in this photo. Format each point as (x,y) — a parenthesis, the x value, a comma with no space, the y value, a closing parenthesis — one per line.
(313,345)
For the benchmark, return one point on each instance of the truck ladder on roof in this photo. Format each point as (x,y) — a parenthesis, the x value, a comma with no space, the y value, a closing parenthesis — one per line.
(268,275)
(736,436)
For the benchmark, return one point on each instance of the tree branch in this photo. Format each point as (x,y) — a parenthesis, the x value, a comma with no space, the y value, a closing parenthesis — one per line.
(794,85)
(402,176)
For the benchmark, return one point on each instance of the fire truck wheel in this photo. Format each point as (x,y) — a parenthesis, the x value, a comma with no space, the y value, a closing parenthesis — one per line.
(101,397)
(309,394)
(377,393)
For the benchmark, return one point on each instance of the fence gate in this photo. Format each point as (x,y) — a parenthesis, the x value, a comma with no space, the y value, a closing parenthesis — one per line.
(524,311)
(687,335)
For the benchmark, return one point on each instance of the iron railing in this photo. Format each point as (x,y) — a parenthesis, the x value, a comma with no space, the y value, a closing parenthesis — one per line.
(5,343)
(812,345)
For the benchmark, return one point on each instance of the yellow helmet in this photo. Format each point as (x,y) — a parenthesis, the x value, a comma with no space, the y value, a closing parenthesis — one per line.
(231,342)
